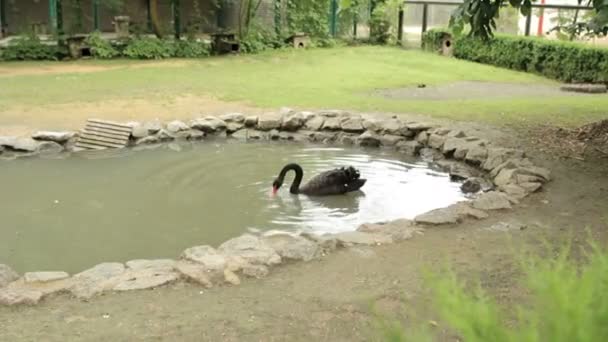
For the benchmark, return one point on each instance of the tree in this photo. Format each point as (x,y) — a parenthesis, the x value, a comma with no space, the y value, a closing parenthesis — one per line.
(481,16)
(156,27)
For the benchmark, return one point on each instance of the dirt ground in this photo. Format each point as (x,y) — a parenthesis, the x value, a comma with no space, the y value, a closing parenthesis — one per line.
(334,299)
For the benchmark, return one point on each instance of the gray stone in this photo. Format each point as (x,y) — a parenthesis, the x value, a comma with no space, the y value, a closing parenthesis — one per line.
(7,275)
(58,137)
(459,171)
(232,127)
(456,134)
(423,138)
(292,247)
(452,145)
(44,277)
(153,126)
(190,134)
(164,135)
(139,132)
(411,147)
(352,125)
(418,126)
(231,278)
(332,113)
(195,273)
(454,213)
(431,154)
(436,141)
(20,144)
(514,191)
(50,147)
(285,111)
(510,164)
(395,127)
(269,121)
(475,184)
(251,121)
(315,123)
(332,124)
(391,140)
(476,155)
(530,187)
(440,131)
(398,230)
(492,200)
(307,115)
(346,239)
(209,124)
(498,155)
(372,124)
(161,265)
(252,249)
(95,280)
(369,139)
(255,271)
(13,297)
(235,117)
(327,243)
(177,126)
(141,279)
(324,137)
(206,256)
(152,139)
(292,122)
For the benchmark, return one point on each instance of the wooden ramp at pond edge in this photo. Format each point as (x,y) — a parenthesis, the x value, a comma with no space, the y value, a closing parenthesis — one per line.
(100,134)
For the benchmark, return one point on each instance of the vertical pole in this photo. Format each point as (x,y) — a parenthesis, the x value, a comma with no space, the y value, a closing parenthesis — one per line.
(425,16)
(528,23)
(541,19)
(333,15)
(277,17)
(355,23)
(400,26)
(96,15)
(53,14)
(176,18)
(148,16)
(59,12)
(2,18)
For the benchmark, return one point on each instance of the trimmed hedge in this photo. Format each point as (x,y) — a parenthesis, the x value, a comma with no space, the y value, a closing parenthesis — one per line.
(563,61)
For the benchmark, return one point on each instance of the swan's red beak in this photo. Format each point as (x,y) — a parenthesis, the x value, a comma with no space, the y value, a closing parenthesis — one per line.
(274,190)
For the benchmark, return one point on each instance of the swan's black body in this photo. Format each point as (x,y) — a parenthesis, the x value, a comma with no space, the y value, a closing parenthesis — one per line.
(332,182)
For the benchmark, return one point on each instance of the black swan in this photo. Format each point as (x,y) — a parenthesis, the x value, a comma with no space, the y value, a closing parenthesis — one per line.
(332,182)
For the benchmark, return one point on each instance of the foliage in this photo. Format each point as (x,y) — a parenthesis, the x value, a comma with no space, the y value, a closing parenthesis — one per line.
(191,49)
(101,48)
(564,61)
(248,10)
(30,47)
(260,39)
(432,39)
(567,302)
(308,16)
(149,48)
(481,16)
(383,22)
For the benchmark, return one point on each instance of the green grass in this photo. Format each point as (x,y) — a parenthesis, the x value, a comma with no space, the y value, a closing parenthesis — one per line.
(321,78)
(567,301)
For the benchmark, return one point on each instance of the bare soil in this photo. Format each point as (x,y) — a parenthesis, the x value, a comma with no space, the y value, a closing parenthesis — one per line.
(334,299)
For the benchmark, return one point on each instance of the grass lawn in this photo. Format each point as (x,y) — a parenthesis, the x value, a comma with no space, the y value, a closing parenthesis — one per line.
(323,78)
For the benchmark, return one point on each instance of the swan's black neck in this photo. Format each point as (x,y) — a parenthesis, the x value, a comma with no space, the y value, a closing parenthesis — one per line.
(295,186)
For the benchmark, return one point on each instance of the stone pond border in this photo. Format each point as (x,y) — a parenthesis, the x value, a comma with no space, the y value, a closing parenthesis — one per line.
(497,178)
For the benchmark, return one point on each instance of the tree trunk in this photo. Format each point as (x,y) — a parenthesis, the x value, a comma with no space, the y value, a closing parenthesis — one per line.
(154,19)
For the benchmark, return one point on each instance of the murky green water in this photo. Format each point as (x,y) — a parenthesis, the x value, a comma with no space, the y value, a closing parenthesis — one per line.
(72,213)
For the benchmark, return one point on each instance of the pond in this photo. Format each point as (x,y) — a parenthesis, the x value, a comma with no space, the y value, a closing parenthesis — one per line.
(72,213)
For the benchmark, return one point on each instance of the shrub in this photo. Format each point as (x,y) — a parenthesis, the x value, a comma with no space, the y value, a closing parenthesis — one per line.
(563,61)
(149,48)
(30,48)
(101,48)
(191,49)
(432,39)
(259,39)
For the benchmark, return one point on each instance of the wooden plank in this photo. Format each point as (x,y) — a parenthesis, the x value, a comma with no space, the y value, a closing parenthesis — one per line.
(100,142)
(114,138)
(89,147)
(108,123)
(109,128)
(100,134)
(87,131)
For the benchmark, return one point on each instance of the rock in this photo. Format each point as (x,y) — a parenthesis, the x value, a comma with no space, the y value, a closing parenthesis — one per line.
(241,134)
(153,126)
(398,230)
(209,124)
(232,127)
(307,115)
(460,171)
(324,137)
(255,271)
(7,275)
(451,145)
(152,139)
(274,134)
(454,213)
(139,132)
(372,124)
(58,137)
(430,154)
(475,184)
(510,164)
(190,134)
(498,155)
(456,134)
(352,125)
(161,265)
(422,138)
(44,277)
(285,111)
(346,138)
(252,249)
(19,144)
(292,247)
(269,121)
(368,139)
(417,127)
(476,155)
(95,280)
(195,273)
(257,135)
(440,131)
(411,147)
(327,243)
(231,278)
(177,126)
(292,122)
(206,256)
(332,113)
(332,124)
(514,191)
(144,279)
(50,147)
(164,135)
(315,123)
(346,239)
(436,141)
(237,117)
(12,297)
(391,140)
(530,187)
(492,200)
(395,127)
(251,121)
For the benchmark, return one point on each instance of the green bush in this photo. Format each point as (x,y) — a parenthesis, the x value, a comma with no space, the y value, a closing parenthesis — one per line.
(432,39)
(101,48)
(149,48)
(30,47)
(567,301)
(563,61)
(191,49)
(259,39)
